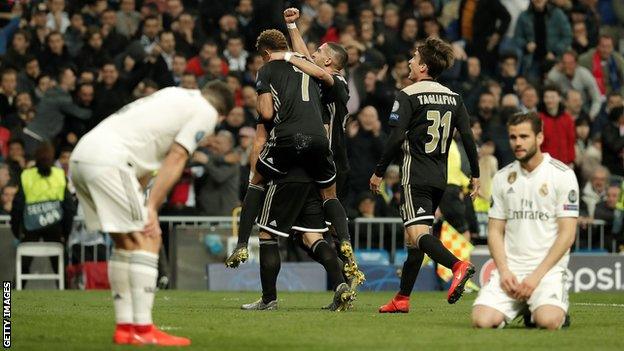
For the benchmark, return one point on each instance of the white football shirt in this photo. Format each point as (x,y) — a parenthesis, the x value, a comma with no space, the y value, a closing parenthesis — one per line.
(141,133)
(531,203)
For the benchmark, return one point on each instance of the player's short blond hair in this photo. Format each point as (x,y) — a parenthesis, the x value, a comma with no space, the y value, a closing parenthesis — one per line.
(271,39)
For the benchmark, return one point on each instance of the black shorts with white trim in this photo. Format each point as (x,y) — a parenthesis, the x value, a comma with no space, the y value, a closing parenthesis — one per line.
(292,207)
(419,203)
(310,152)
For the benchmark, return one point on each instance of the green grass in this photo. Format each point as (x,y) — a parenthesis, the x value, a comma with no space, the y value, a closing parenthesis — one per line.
(83,320)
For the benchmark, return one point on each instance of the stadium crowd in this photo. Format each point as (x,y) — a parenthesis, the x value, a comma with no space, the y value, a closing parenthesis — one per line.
(66,65)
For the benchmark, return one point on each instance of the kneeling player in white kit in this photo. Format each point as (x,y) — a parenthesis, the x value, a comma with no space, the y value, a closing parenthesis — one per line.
(109,167)
(531,228)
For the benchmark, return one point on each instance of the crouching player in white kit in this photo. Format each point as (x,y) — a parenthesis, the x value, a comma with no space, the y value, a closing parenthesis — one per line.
(531,228)
(109,166)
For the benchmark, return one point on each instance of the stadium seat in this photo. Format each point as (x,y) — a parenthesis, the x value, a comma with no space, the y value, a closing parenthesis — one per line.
(39,249)
(372,256)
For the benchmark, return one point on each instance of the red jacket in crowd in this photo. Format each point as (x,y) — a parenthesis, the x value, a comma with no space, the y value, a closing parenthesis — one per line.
(559,136)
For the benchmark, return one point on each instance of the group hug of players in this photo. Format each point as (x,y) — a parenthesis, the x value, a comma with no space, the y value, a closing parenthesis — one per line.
(300,164)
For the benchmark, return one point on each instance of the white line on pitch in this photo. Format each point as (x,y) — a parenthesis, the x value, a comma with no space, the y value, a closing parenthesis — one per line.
(598,304)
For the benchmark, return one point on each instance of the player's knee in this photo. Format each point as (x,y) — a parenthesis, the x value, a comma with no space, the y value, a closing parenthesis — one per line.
(486,319)
(550,322)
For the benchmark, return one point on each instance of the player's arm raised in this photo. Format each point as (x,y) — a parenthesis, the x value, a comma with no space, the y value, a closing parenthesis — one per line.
(463,125)
(398,121)
(291,15)
(306,66)
(168,175)
(567,217)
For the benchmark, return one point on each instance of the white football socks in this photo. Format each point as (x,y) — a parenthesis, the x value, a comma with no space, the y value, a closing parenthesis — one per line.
(143,275)
(119,278)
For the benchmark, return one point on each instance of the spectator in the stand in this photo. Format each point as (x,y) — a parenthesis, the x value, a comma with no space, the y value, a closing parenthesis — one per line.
(174,9)
(378,94)
(110,94)
(472,85)
(510,100)
(580,42)
(235,54)
(25,112)
(228,25)
(403,44)
(149,37)
(606,65)
(114,42)
(559,133)
(56,55)
(200,64)
(234,121)
(482,25)
(128,19)
(246,136)
(189,81)
(5,175)
(365,141)
(218,181)
(74,35)
(542,33)
(43,183)
(254,62)
(613,142)
(508,72)
(8,91)
(322,29)
(605,210)
(187,36)
(161,60)
(574,105)
(27,78)
(93,55)
(529,99)
(595,190)
(399,71)
(55,106)
(18,52)
(178,68)
(569,75)
(583,142)
(16,159)
(57,19)
(355,73)
(8,195)
(246,22)
(250,100)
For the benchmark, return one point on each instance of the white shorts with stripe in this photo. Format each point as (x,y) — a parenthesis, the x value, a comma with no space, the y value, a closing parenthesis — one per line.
(552,291)
(111,197)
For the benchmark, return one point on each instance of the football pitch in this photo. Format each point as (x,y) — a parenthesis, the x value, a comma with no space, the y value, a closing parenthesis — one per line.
(83,320)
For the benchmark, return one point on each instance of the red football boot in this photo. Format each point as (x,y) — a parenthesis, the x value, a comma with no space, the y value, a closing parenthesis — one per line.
(123,334)
(150,335)
(462,271)
(398,304)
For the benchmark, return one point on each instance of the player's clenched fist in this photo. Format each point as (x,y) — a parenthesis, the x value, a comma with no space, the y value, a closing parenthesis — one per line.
(291,15)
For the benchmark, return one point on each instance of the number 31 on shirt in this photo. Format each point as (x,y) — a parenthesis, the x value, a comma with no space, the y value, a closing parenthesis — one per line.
(433,130)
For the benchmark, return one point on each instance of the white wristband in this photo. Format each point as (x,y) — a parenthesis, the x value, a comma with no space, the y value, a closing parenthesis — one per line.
(292,25)
(287,56)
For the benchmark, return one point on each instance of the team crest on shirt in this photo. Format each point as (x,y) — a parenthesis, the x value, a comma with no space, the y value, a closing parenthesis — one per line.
(199,135)
(511,178)
(572,197)
(543,190)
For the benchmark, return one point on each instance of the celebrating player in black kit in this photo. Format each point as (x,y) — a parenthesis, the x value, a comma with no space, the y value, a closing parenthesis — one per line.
(423,119)
(275,160)
(297,142)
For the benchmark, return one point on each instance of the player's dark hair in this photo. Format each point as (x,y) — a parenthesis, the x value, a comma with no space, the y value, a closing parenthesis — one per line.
(339,55)
(220,96)
(437,55)
(523,117)
(271,39)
